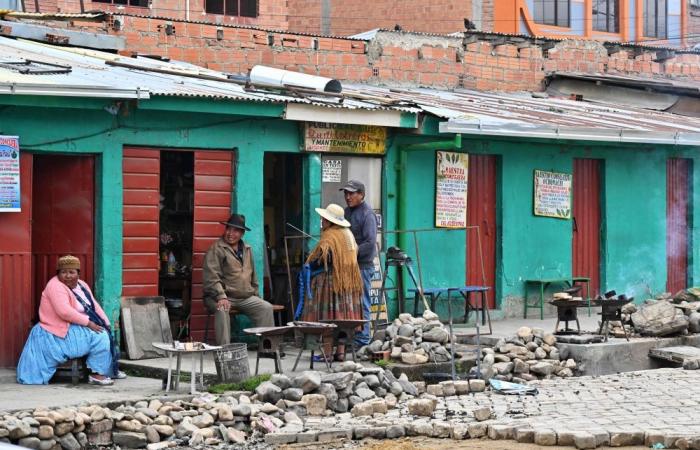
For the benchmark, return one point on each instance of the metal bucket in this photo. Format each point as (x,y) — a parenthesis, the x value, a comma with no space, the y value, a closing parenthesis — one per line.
(231,363)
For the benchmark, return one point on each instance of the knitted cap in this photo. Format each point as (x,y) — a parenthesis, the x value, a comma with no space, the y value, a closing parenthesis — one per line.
(68,262)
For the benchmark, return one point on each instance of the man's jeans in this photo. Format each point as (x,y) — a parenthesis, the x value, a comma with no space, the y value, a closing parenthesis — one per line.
(362,338)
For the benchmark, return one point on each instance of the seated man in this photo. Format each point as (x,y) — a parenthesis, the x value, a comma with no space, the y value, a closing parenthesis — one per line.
(230,280)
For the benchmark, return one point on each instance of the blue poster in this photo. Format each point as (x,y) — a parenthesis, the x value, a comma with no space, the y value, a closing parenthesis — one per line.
(9,174)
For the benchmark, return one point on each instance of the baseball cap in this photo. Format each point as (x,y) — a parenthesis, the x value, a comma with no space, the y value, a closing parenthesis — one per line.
(353,186)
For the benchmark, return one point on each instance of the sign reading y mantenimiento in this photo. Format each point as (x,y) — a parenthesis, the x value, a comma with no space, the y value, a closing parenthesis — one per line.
(451,189)
(552,194)
(9,174)
(344,138)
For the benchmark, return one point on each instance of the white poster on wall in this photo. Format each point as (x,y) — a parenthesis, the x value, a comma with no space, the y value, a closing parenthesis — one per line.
(9,174)
(451,189)
(332,170)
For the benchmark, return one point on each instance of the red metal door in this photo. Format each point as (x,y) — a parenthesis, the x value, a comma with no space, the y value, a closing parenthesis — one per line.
(586,222)
(63,211)
(677,191)
(16,305)
(141,263)
(213,184)
(481,212)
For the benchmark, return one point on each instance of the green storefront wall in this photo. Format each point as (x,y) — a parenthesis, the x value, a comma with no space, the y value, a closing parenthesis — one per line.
(633,235)
(633,253)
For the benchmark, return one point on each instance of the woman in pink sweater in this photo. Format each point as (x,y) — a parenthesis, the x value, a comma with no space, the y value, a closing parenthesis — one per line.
(71,325)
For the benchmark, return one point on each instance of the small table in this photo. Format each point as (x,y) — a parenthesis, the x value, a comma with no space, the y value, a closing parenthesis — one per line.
(313,335)
(345,330)
(270,340)
(466,291)
(546,282)
(171,350)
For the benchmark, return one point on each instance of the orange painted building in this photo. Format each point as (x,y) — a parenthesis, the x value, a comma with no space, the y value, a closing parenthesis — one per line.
(651,21)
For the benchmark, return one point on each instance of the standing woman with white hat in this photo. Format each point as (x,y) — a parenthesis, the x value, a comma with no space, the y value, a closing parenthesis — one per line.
(336,287)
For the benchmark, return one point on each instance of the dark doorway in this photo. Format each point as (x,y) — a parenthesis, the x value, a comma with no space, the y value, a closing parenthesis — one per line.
(283,194)
(586,222)
(63,211)
(175,236)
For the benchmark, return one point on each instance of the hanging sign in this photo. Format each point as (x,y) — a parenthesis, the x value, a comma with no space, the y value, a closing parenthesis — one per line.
(451,189)
(344,138)
(553,194)
(9,174)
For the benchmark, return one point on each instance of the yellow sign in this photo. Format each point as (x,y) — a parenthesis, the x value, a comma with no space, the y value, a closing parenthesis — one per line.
(342,138)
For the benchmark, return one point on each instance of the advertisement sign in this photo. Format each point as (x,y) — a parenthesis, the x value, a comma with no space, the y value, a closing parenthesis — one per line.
(9,174)
(552,194)
(451,189)
(332,170)
(344,138)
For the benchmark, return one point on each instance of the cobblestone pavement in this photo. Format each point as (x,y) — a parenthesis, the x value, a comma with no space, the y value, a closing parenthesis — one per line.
(635,408)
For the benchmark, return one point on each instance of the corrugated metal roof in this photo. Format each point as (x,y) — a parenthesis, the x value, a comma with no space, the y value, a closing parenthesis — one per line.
(522,114)
(101,74)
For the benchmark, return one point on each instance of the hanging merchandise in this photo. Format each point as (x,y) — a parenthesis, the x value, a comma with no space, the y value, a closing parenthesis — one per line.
(172,264)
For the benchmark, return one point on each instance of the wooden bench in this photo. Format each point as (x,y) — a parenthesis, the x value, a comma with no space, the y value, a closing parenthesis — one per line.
(276,309)
(75,368)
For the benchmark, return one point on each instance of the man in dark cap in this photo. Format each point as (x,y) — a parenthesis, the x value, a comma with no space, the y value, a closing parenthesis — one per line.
(363,224)
(230,280)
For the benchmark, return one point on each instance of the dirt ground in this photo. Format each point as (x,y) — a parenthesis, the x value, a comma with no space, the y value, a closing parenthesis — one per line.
(423,443)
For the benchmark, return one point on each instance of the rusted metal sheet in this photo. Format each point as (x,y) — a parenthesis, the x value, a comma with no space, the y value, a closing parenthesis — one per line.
(213,184)
(141,260)
(586,222)
(15,271)
(677,191)
(481,212)
(63,193)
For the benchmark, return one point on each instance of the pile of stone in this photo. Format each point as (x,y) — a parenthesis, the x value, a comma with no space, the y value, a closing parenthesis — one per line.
(529,355)
(279,405)
(661,317)
(412,340)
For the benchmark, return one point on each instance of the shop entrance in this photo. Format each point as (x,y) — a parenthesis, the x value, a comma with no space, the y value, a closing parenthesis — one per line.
(283,194)
(175,235)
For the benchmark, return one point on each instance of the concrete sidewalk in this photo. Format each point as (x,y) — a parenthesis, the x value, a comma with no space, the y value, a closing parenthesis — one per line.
(14,396)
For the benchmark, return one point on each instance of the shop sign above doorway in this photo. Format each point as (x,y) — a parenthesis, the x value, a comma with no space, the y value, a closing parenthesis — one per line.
(451,189)
(344,138)
(9,174)
(552,194)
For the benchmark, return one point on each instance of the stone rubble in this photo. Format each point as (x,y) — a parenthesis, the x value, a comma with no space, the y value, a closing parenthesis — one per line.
(529,355)
(635,408)
(412,340)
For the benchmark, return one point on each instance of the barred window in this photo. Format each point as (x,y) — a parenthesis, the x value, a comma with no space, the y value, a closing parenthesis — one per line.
(143,3)
(655,18)
(243,8)
(552,12)
(606,15)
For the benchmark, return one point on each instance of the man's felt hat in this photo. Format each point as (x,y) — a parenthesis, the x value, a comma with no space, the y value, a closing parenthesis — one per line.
(236,221)
(353,186)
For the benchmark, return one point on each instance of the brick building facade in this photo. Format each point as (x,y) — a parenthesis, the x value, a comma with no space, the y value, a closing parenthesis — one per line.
(478,61)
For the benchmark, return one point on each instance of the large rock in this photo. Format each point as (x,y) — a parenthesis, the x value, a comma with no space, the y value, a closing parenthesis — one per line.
(421,407)
(659,319)
(308,381)
(269,392)
(339,380)
(414,358)
(436,334)
(315,404)
(281,380)
(129,439)
(542,368)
